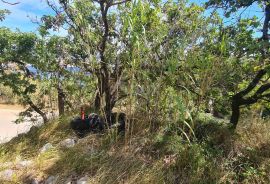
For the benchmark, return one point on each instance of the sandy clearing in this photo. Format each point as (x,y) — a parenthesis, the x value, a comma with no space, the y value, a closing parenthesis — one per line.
(8,129)
(11,107)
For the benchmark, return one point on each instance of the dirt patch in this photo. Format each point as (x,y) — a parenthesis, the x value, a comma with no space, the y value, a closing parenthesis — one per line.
(8,129)
(11,107)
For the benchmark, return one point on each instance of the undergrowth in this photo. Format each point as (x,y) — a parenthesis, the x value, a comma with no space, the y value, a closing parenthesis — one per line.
(215,155)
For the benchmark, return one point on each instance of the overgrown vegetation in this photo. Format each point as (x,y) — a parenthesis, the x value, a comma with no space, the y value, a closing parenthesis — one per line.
(218,155)
(178,71)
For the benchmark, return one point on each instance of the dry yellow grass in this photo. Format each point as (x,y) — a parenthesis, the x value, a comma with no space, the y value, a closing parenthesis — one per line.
(219,156)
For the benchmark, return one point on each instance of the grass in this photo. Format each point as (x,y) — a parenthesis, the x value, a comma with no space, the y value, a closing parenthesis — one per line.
(217,155)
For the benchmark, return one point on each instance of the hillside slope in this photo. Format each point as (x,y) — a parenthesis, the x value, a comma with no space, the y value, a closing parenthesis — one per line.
(217,155)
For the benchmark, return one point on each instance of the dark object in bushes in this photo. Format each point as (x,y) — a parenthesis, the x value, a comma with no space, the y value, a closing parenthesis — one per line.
(94,123)
(119,121)
(81,126)
(265,114)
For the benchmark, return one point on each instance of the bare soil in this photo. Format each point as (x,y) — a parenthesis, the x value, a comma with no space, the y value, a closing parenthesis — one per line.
(8,129)
(12,107)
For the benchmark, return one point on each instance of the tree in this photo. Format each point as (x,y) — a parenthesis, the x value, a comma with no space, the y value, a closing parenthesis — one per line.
(97,29)
(54,59)
(247,96)
(146,42)
(17,51)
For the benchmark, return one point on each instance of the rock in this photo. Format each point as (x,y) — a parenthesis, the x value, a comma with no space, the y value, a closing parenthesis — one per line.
(7,174)
(34,129)
(72,179)
(23,164)
(46,148)
(51,180)
(68,181)
(35,181)
(83,180)
(68,143)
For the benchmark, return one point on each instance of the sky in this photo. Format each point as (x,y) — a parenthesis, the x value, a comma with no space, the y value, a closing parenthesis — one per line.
(23,14)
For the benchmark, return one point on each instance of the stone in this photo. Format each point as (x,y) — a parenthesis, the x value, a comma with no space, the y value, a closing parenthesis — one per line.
(68,182)
(68,143)
(7,174)
(51,180)
(83,180)
(34,129)
(46,148)
(35,181)
(72,179)
(23,164)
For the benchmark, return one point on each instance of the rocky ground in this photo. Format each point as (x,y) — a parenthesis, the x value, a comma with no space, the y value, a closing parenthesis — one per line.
(53,154)
(10,169)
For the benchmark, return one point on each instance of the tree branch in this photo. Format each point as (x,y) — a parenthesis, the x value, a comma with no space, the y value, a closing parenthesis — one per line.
(266,23)
(262,89)
(252,84)
(120,2)
(10,2)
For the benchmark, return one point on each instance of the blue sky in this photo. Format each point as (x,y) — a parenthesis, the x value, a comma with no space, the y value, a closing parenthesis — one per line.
(22,13)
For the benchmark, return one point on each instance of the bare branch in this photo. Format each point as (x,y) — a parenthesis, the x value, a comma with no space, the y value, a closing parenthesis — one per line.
(120,2)
(10,2)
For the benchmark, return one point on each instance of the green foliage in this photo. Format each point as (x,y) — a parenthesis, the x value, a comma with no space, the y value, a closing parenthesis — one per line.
(3,14)
(163,64)
(232,6)
(7,96)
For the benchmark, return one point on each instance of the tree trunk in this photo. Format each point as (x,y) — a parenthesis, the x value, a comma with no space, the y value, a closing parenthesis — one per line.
(239,98)
(99,92)
(97,101)
(235,111)
(266,23)
(106,90)
(38,110)
(61,100)
(108,108)
(104,74)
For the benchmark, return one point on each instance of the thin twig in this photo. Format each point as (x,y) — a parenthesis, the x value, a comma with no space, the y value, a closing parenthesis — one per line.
(120,2)
(10,2)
